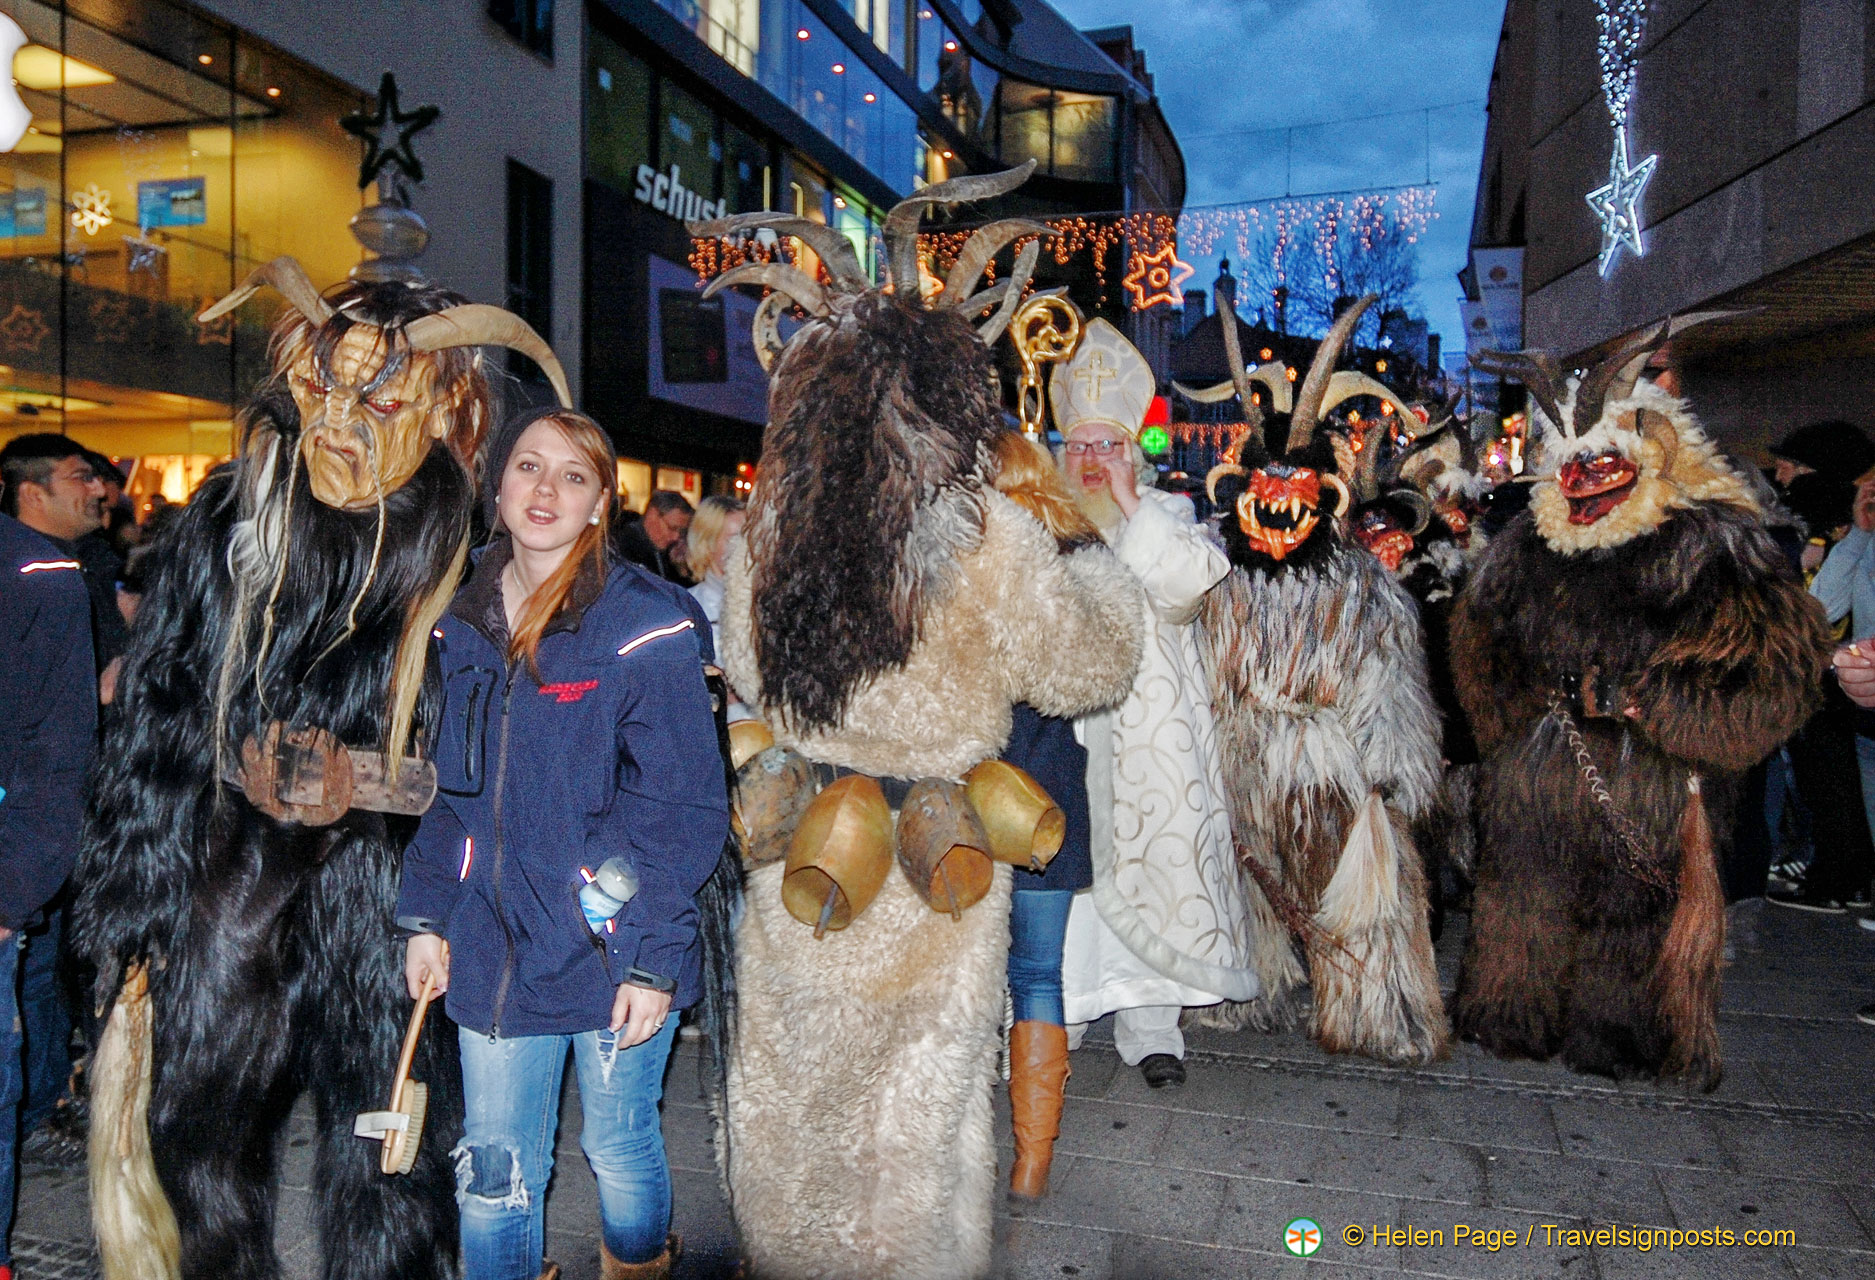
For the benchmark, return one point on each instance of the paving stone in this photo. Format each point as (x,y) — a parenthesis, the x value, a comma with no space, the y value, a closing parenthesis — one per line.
(1244,1089)
(1498,1119)
(1829,1264)
(1611,1131)
(1151,1258)
(1140,1198)
(1116,1130)
(1800,1083)
(1820,1215)
(1822,1153)
(1045,1251)
(1092,1069)
(1658,1263)
(1256,1211)
(1602,1191)
(690,1138)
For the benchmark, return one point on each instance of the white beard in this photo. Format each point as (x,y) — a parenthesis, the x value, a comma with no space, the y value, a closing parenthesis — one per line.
(1099,507)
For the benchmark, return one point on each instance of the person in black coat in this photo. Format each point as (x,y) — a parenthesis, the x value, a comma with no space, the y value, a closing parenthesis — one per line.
(48,732)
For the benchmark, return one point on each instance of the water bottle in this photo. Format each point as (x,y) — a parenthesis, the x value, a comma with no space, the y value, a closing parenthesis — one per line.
(606,892)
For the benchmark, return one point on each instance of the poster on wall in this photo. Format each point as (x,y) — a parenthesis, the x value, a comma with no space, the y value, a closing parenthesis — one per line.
(1500,292)
(172,202)
(701,354)
(23,212)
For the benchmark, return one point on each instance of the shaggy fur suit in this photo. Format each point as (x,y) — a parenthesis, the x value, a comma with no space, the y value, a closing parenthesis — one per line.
(1682,598)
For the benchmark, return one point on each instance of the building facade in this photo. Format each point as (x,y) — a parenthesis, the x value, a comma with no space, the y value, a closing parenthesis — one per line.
(175,147)
(1763,119)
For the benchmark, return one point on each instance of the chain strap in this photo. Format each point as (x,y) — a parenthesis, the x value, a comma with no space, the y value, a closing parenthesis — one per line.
(1636,849)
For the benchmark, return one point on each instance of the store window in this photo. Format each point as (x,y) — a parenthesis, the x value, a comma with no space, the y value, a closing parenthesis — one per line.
(120,219)
(618,112)
(748,173)
(530,259)
(1083,137)
(528,21)
(688,148)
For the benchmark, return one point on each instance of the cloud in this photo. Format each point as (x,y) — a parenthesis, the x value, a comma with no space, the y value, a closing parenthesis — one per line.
(1244,84)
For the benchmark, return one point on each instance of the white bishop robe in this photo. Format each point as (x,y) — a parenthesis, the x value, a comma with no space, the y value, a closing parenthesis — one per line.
(1167,921)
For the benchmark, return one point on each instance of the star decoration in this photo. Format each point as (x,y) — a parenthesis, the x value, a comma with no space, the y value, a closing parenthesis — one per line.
(1616,204)
(24,328)
(110,317)
(1154,278)
(143,254)
(91,210)
(387,134)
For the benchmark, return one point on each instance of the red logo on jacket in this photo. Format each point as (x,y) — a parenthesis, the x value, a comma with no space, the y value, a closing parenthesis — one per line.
(569,690)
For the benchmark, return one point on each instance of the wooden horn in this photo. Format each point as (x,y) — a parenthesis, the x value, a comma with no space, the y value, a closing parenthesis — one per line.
(476,324)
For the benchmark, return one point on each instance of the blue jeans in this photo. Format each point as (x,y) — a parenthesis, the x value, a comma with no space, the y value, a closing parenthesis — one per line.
(45,1022)
(512,1098)
(11,1085)
(1038,924)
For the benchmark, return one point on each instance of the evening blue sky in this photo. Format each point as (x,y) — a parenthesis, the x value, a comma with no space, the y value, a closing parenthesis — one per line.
(1233,74)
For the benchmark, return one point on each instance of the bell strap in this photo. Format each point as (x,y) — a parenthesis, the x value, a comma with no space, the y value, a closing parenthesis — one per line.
(308,776)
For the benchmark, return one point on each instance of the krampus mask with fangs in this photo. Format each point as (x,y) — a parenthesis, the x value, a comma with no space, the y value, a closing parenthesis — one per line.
(1626,453)
(1277,493)
(882,411)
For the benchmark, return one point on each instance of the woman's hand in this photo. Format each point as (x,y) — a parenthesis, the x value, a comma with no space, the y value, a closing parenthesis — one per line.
(425,954)
(638,1013)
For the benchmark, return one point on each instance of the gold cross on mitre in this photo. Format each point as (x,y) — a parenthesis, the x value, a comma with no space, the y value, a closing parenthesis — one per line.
(1093,375)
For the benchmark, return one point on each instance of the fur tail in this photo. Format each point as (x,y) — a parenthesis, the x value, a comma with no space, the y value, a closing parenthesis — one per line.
(136,1229)
(1377,992)
(1686,979)
(1276,919)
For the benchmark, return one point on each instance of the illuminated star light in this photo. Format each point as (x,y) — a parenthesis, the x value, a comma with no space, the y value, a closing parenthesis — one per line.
(91,210)
(1616,204)
(1155,278)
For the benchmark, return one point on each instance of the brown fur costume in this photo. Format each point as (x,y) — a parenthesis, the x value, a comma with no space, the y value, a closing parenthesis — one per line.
(1681,647)
(884,609)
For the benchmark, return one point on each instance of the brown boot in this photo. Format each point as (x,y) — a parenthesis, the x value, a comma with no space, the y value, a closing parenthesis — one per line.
(550,1270)
(658,1268)
(1038,1070)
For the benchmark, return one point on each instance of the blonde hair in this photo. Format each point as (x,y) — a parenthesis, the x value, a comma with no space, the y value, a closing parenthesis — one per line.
(594,448)
(707,527)
(1029,477)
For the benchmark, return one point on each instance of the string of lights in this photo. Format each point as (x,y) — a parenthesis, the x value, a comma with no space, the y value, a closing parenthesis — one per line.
(1620,27)
(1155,241)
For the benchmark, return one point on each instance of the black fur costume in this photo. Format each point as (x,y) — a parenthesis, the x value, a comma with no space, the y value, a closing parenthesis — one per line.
(1677,642)
(275,966)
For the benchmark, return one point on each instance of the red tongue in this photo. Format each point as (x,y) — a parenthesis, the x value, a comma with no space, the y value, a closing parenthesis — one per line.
(1589,510)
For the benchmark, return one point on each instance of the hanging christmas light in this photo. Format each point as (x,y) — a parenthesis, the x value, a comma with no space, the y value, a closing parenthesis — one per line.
(1620,26)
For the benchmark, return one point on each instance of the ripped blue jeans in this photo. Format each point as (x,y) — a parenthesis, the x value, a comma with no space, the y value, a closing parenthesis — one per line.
(512,1102)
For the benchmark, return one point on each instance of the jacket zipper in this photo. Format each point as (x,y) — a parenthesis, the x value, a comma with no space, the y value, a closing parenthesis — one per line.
(501,777)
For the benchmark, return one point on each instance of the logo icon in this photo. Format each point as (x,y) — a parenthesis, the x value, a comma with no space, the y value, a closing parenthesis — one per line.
(14,114)
(1302,1237)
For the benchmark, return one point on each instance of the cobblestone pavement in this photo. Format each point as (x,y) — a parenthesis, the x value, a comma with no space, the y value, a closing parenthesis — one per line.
(1201,1181)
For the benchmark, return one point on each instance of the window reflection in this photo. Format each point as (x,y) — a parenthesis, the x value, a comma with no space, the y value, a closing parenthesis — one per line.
(120,218)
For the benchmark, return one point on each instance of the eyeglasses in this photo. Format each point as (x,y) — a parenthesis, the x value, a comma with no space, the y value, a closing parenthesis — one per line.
(1099,448)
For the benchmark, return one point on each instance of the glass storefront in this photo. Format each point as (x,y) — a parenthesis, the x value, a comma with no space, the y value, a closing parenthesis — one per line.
(167,157)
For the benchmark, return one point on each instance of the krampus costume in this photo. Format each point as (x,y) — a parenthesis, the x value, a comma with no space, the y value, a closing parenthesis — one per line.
(241,853)
(1625,649)
(884,609)
(1329,737)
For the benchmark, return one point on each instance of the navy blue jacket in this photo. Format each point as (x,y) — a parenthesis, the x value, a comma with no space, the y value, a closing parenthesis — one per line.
(612,751)
(48,717)
(1044,747)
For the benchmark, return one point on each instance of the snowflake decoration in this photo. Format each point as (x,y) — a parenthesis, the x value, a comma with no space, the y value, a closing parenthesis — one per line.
(91,210)
(1154,278)
(144,254)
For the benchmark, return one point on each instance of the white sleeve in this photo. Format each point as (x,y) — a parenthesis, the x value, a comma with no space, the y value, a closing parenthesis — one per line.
(1169,552)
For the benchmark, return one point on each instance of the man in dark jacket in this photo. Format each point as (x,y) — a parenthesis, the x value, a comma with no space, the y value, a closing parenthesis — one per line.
(653,539)
(53,489)
(48,731)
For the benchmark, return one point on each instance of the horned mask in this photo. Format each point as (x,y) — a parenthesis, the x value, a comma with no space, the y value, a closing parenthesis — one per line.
(1625,453)
(882,413)
(1278,497)
(373,399)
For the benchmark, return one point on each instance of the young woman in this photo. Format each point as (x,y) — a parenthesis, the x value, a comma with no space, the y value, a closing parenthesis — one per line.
(1045,747)
(718,520)
(576,728)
